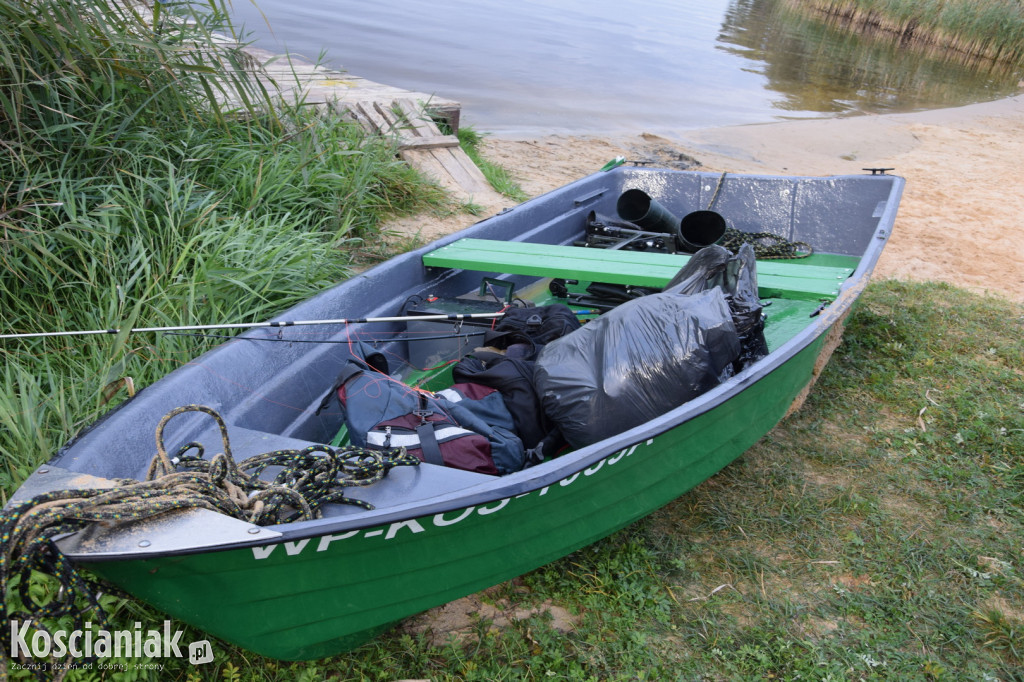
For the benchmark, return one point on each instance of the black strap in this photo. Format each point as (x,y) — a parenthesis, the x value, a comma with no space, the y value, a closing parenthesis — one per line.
(425,432)
(428,444)
(547,447)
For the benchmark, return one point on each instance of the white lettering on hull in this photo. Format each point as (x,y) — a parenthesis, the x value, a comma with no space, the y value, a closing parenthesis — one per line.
(441,520)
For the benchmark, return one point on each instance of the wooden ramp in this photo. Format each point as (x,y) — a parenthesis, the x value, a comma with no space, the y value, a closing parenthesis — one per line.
(384,110)
(421,144)
(379,108)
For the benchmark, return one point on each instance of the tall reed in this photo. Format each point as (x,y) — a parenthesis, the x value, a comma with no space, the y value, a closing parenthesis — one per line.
(130,196)
(992,29)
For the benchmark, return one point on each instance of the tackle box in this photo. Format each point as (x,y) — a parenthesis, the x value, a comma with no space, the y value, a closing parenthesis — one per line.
(434,342)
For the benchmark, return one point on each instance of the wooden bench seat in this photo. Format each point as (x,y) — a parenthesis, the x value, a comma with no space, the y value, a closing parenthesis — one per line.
(785,279)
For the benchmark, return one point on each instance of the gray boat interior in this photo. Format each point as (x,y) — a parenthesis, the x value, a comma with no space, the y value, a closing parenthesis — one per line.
(268,393)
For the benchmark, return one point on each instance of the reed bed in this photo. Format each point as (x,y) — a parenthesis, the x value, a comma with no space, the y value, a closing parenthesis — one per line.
(989,29)
(130,197)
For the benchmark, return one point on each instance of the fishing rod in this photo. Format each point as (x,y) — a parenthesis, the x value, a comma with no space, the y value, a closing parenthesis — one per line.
(274,339)
(453,317)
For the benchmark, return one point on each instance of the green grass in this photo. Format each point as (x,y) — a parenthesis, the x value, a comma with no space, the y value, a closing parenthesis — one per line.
(875,534)
(499,177)
(131,198)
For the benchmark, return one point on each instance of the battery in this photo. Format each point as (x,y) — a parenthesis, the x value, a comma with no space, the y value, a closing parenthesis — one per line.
(430,351)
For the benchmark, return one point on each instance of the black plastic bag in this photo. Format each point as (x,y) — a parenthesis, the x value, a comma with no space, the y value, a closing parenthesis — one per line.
(636,362)
(715,266)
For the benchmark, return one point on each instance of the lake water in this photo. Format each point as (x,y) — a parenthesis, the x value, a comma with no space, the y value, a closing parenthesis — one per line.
(609,66)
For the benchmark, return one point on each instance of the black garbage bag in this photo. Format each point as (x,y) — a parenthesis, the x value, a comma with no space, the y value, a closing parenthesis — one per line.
(636,362)
(715,266)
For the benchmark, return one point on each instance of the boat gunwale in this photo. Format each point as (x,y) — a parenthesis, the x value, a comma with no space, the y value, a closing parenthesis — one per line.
(572,463)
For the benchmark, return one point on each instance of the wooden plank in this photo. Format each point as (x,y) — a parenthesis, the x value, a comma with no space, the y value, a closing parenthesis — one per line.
(397,125)
(424,161)
(474,177)
(354,115)
(440,165)
(438,142)
(635,268)
(369,112)
(418,120)
(460,167)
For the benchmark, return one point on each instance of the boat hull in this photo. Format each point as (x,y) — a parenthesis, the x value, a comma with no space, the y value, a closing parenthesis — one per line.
(326,594)
(311,589)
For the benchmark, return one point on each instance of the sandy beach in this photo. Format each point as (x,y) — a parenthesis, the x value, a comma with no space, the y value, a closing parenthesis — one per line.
(961,219)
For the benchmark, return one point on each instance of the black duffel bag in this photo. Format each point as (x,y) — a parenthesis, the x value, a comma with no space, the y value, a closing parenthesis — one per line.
(534,326)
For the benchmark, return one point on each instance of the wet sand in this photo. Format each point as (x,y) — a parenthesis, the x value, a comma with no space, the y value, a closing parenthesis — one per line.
(961,219)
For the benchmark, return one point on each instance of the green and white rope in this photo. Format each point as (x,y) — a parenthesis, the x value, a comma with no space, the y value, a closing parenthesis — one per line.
(766,245)
(309,478)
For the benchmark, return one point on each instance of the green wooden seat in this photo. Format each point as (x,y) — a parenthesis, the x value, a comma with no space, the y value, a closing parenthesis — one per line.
(781,279)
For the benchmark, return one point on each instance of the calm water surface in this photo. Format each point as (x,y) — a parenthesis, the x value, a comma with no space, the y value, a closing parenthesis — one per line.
(606,66)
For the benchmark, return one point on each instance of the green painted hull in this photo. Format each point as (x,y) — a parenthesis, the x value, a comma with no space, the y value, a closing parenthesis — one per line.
(323,595)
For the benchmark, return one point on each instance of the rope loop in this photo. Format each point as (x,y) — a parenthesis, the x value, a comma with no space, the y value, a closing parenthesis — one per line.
(308,479)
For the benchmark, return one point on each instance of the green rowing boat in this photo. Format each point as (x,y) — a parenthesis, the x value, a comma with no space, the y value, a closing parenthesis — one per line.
(318,586)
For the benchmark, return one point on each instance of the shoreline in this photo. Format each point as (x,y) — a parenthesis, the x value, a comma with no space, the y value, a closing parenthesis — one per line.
(959,220)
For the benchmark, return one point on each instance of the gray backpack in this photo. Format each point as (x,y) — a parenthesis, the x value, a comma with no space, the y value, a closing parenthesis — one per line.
(472,431)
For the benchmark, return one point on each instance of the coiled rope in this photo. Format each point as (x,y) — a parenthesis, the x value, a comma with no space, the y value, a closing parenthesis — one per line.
(309,478)
(766,245)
